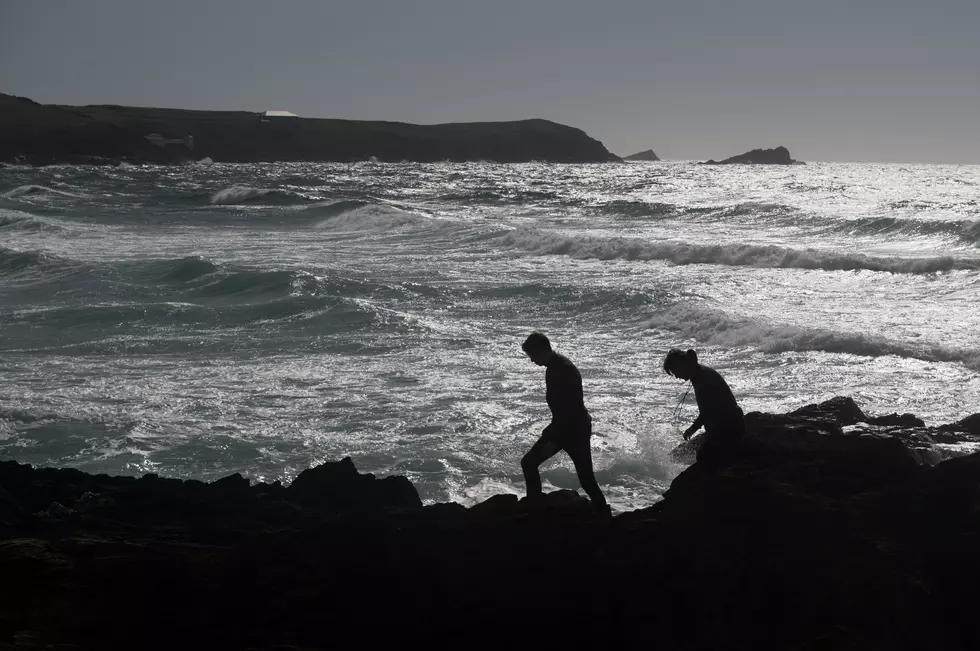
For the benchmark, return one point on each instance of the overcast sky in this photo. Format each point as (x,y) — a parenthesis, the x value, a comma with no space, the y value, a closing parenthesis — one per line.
(846,80)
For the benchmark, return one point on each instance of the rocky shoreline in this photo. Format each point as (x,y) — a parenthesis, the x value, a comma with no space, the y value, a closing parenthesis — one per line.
(831,530)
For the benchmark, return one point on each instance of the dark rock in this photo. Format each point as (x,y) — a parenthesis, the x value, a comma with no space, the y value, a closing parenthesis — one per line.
(12,514)
(970,425)
(90,504)
(809,538)
(274,490)
(232,484)
(54,513)
(646,155)
(498,505)
(560,500)
(337,486)
(896,420)
(338,473)
(777,156)
(446,511)
(840,410)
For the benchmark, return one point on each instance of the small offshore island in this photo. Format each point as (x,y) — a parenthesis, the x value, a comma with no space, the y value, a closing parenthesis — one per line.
(777,156)
(831,530)
(36,134)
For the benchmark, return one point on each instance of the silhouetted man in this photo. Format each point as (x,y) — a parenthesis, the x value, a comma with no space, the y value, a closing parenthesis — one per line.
(571,424)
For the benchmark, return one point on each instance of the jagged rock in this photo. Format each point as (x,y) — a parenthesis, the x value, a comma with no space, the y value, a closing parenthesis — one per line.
(563,501)
(777,156)
(11,512)
(970,425)
(895,420)
(446,511)
(54,513)
(840,410)
(646,155)
(338,486)
(809,538)
(495,506)
(232,484)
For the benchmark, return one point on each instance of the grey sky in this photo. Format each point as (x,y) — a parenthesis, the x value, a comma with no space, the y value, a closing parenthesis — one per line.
(860,80)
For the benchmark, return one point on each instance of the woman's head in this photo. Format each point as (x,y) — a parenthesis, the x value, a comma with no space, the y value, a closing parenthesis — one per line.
(681,364)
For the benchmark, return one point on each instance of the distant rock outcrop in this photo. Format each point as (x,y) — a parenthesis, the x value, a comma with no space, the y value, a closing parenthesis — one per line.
(646,155)
(39,135)
(777,156)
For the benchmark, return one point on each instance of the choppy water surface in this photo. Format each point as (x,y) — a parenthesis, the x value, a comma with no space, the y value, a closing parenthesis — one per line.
(202,320)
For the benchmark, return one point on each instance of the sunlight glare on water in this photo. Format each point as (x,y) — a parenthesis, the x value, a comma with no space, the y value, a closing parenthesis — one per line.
(202,320)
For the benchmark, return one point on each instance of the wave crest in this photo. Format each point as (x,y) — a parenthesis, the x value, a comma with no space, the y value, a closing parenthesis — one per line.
(359,216)
(718,328)
(964,230)
(189,268)
(749,255)
(261,282)
(632,209)
(25,190)
(12,261)
(240,194)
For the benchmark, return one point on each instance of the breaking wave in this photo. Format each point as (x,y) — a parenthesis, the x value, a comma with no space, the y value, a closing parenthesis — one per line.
(186,269)
(240,194)
(353,216)
(632,209)
(13,220)
(965,230)
(25,190)
(717,328)
(12,261)
(749,255)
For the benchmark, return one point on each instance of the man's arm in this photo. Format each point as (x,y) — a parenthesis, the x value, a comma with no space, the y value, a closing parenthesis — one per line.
(695,427)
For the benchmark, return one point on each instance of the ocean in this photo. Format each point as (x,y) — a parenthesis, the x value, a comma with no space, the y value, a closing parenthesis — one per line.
(207,319)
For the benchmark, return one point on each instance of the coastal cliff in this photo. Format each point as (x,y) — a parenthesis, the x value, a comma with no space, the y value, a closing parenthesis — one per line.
(39,134)
(830,530)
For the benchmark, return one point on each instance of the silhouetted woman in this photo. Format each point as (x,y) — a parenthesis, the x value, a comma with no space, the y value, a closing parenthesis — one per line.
(720,414)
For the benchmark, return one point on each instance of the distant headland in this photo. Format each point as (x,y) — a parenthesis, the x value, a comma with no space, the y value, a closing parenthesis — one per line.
(38,134)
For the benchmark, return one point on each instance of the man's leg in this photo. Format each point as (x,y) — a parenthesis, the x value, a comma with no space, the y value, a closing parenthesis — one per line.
(581,453)
(540,452)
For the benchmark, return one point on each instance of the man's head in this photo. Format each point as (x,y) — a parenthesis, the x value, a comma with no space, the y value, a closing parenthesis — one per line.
(538,348)
(680,364)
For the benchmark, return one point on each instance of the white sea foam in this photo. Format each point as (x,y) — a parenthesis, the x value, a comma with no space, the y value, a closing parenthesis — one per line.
(546,242)
(718,328)
(374,217)
(237,194)
(37,190)
(15,220)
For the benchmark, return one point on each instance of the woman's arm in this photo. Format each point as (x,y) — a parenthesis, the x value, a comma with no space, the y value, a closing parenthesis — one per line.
(693,428)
